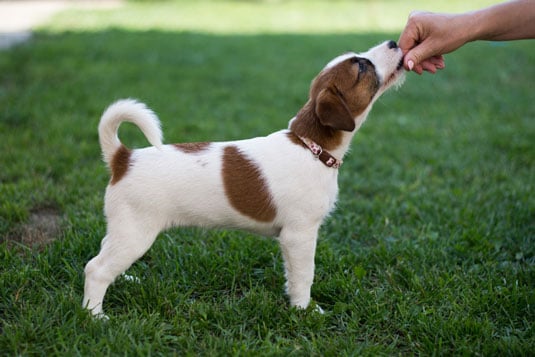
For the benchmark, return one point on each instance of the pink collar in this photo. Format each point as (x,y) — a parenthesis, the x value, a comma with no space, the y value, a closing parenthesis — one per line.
(319,153)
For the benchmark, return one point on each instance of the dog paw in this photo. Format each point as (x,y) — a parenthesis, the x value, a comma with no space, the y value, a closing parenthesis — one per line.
(314,307)
(98,316)
(131,278)
(319,310)
(101,317)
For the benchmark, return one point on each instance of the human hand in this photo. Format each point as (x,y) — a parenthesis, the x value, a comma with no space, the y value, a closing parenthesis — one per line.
(431,64)
(427,37)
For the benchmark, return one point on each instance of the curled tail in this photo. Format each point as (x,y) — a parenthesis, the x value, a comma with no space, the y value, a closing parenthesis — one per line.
(131,111)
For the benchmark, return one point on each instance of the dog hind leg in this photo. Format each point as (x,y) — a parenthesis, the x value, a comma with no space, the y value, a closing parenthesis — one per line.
(119,250)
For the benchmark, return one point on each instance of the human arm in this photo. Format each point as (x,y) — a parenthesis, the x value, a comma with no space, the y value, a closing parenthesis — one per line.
(427,36)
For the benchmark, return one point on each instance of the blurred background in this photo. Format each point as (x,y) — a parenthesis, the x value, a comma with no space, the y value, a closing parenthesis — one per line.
(219,16)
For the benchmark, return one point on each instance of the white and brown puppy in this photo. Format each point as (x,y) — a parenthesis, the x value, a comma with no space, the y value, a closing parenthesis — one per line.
(282,185)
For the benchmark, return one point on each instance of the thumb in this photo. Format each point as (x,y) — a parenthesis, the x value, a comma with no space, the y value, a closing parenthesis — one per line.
(414,57)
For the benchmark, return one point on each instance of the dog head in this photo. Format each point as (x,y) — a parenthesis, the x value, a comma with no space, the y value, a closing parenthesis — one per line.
(342,94)
(348,85)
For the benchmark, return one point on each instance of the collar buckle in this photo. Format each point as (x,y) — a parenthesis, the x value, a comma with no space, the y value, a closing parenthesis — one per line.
(325,157)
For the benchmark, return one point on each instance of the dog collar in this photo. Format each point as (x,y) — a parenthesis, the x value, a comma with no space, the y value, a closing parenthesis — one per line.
(319,153)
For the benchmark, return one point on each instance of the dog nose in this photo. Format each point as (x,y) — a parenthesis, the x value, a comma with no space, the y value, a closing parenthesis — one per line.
(392,44)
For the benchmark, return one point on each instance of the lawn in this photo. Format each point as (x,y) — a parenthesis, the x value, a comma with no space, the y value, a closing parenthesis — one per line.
(431,249)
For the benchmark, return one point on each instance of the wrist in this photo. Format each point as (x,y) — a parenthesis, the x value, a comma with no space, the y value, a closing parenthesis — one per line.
(470,27)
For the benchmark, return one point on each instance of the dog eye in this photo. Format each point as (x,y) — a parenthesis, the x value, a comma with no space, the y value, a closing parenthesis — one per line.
(363,67)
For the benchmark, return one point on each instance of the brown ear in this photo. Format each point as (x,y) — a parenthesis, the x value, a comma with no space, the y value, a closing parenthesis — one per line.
(333,111)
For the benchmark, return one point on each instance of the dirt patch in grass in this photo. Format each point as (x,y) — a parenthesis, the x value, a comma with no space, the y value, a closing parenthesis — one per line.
(42,228)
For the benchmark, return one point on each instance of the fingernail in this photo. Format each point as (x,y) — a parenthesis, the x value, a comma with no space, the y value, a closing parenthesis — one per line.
(410,63)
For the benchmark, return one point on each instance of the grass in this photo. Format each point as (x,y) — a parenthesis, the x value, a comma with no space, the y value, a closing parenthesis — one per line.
(431,250)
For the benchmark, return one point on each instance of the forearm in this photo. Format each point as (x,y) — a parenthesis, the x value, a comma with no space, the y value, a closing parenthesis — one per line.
(511,20)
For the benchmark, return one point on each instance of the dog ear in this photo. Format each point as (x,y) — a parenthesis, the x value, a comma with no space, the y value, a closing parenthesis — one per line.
(333,111)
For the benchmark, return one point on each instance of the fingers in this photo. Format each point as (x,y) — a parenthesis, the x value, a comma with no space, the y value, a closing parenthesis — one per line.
(419,43)
(411,35)
(438,62)
(433,64)
(430,65)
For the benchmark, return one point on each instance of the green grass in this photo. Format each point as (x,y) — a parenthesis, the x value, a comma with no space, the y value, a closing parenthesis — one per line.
(431,250)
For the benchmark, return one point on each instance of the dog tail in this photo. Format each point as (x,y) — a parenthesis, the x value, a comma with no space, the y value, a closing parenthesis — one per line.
(132,111)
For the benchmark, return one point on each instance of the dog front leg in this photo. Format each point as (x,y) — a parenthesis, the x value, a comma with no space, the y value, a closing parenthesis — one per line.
(298,249)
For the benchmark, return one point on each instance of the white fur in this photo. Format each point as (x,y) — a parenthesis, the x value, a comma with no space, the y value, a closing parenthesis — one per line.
(166,187)
(131,111)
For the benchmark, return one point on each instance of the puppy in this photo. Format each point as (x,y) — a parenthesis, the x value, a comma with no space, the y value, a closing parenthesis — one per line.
(281,185)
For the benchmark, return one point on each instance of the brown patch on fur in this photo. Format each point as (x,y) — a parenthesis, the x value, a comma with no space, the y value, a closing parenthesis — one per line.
(119,164)
(245,186)
(337,95)
(308,125)
(192,148)
(295,139)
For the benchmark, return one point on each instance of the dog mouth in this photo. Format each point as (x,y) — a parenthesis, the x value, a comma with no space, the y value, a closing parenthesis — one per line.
(395,77)
(400,64)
